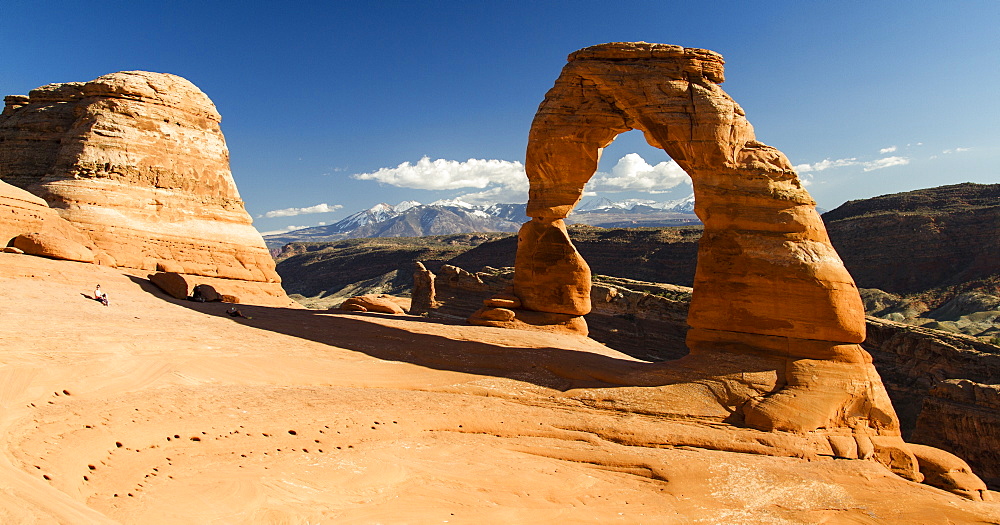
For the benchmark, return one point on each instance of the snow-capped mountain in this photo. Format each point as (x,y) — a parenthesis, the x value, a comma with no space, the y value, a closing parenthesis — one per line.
(685,205)
(377,213)
(411,219)
(635,213)
(444,217)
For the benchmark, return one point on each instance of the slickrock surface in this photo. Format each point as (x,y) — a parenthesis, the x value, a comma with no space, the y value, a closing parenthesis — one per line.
(154,410)
(775,317)
(137,161)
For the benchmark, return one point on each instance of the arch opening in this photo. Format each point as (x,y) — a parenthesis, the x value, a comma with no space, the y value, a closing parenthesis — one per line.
(630,172)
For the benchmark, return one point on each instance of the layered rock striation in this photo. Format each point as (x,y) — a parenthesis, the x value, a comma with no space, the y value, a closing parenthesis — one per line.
(137,162)
(947,236)
(946,387)
(24,216)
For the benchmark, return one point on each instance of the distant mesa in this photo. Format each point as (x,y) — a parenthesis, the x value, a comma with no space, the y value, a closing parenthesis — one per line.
(136,163)
(947,235)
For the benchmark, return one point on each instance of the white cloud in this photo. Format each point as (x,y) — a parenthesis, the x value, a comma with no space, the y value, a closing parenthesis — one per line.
(506,194)
(633,173)
(443,174)
(826,164)
(286,229)
(292,212)
(890,149)
(955,150)
(885,163)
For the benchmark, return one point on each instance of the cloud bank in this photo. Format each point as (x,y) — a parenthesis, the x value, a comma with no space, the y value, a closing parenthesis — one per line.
(633,173)
(441,174)
(506,181)
(292,212)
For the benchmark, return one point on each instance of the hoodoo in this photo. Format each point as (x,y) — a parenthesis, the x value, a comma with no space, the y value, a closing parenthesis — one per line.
(137,162)
(775,317)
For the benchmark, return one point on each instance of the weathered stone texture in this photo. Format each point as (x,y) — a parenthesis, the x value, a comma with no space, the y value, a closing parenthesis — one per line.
(423,298)
(963,417)
(372,303)
(137,161)
(22,212)
(776,320)
(181,286)
(52,246)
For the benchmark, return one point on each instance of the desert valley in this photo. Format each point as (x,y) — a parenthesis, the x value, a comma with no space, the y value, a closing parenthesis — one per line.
(763,366)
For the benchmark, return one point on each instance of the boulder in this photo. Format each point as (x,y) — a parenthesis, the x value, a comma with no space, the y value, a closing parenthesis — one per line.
(181,286)
(52,246)
(173,283)
(372,303)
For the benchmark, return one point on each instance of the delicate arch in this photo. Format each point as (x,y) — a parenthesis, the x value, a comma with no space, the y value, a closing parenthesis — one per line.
(765,265)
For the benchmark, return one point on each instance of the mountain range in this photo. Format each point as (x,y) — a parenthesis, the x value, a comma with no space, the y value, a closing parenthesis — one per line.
(446,217)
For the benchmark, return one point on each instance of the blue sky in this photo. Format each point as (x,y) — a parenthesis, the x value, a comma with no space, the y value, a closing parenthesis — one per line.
(322,102)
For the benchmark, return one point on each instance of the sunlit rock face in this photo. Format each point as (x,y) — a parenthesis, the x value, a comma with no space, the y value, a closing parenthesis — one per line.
(136,161)
(24,214)
(776,319)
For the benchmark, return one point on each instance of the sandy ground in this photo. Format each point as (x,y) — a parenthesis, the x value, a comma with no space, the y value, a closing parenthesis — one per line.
(154,410)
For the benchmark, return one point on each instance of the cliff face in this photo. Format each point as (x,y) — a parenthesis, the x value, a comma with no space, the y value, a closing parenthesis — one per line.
(136,161)
(961,416)
(947,236)
(945,390)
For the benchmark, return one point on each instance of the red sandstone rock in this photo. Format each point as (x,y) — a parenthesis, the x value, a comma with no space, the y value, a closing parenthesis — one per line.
(54,246)
(771,296)
(22,212)
(503,301)
(372,303)
(529,319)
(181,286)
(551,276)
(948,472)
(423,298)
(173,283)
(138,162)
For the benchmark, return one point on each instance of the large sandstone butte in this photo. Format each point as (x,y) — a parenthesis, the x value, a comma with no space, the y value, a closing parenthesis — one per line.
(776,320)
(137,161)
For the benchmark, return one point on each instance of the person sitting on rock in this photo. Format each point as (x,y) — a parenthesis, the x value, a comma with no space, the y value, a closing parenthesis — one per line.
(100,295)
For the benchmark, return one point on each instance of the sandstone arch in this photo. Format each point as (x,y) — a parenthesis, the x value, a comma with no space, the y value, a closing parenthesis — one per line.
(775,317)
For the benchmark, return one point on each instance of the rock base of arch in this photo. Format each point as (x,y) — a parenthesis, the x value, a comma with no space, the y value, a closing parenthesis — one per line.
(529,320)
